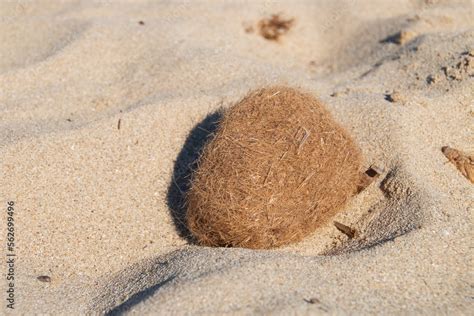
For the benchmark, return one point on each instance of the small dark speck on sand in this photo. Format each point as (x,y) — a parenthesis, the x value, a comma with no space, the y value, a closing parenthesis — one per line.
(141,22)
(320,305)
(313,300)
(119,123)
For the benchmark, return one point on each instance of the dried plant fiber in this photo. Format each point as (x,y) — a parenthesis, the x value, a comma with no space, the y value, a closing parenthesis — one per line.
(277,168)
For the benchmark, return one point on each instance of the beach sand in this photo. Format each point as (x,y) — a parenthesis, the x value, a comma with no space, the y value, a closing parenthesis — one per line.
(104,104)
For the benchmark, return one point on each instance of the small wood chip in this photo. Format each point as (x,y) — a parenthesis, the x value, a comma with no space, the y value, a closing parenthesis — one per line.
(44,278)
(118,124)
(463,162)
(346,230)
(141,22)
(368,177)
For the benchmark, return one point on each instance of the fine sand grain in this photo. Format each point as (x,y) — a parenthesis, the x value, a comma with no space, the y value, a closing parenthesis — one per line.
(105,107)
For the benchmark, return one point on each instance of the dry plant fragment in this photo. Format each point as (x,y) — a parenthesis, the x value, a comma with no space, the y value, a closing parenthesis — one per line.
(346,230)
(274,27)
(278,167)
(462,161)
(44,278)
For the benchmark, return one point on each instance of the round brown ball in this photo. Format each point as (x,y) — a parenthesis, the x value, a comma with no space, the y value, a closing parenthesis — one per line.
(277,167)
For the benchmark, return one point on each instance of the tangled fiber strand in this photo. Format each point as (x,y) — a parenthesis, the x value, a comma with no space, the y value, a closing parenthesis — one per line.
(278,167)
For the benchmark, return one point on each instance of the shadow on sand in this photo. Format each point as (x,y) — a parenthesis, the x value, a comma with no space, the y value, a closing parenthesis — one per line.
(137,298)
(184,166)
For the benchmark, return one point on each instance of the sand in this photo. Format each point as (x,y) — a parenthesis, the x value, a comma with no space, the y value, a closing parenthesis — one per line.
(95,198)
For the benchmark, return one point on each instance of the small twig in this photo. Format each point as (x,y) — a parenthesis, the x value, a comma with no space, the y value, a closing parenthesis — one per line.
(305,180)
(268,174)
(346,230)
(303,140)
(313,300)
(274,94)
(203,129)
(236,142)
(177,186)
(44,278)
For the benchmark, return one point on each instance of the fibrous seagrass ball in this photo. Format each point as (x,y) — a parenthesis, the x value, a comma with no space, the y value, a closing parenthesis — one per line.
(277,167)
